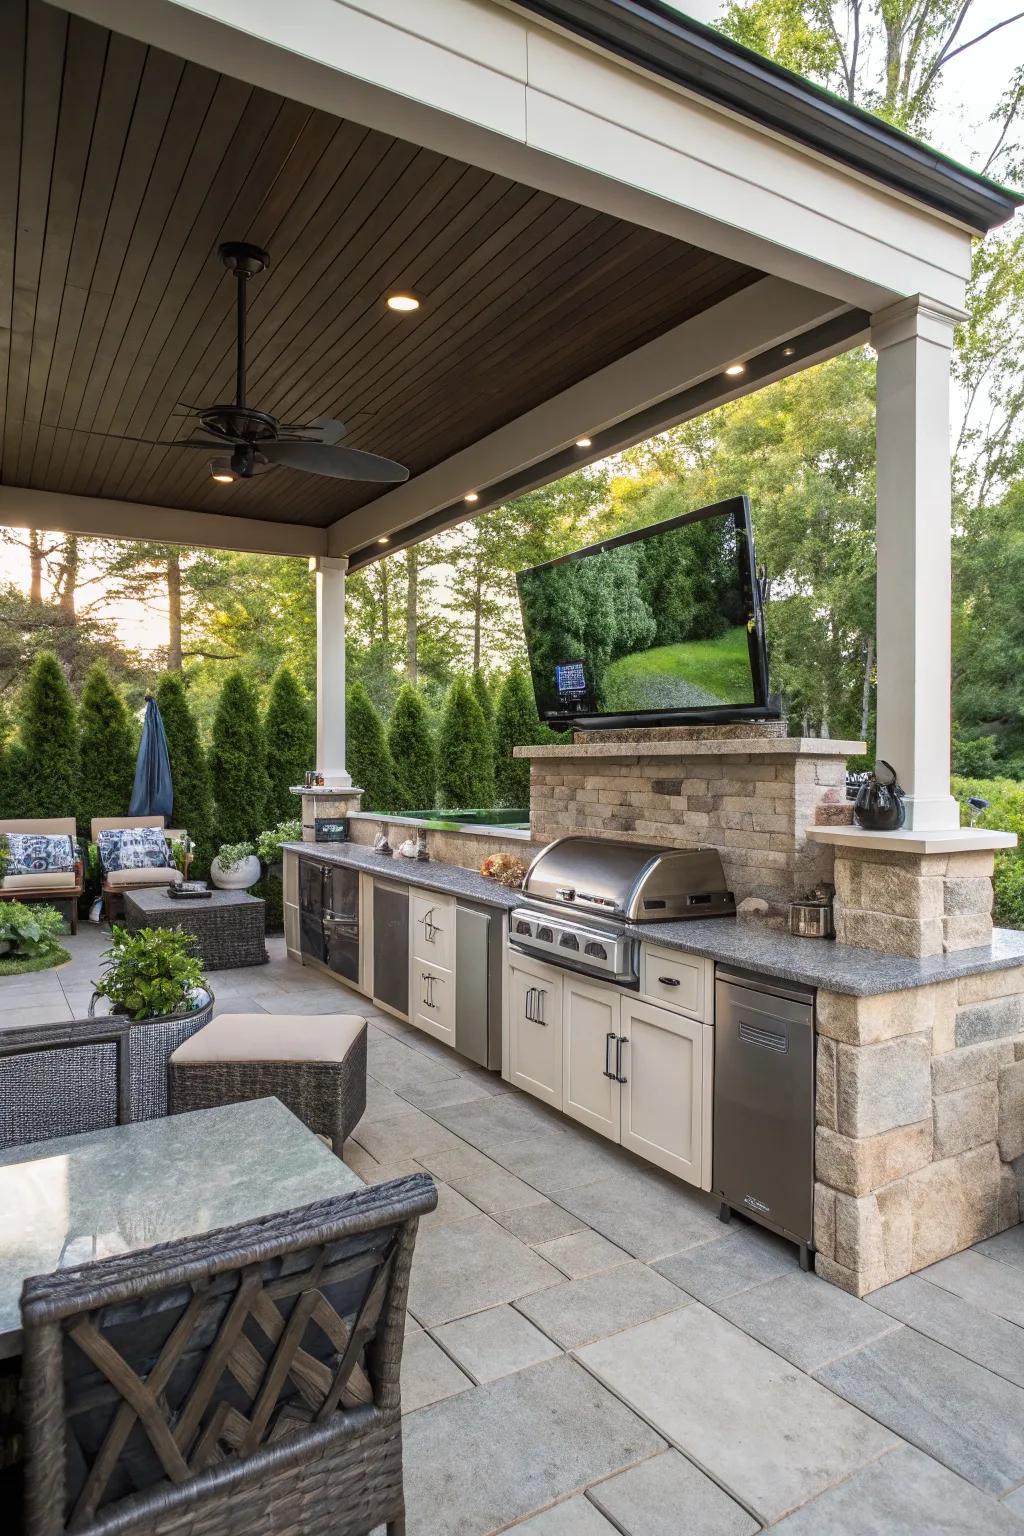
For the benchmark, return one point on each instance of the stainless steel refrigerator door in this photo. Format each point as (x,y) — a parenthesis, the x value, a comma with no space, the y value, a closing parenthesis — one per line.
(311,910)
(763,1137)
(341,921)
(391,945)
(478,932)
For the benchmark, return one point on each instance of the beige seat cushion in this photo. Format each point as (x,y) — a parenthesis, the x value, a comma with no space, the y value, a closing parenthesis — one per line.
(43,880)
(272,1037)
(128,879)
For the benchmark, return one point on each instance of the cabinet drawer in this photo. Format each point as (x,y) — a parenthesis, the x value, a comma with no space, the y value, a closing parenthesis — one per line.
(432,1000)
(433,929)
(676,980)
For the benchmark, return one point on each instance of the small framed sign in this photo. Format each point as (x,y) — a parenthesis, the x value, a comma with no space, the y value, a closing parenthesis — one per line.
(331,829)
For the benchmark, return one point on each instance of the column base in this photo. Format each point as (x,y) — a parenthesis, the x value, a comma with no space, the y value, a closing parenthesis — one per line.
(941,814)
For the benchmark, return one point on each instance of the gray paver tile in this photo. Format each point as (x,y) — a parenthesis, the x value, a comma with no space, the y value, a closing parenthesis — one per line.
(902,1494)
(554,1161)
(480,1179)
(427,1373)
(649,1218)
(496,1343)
(486,1124)
(805,1320)
(540,1223)
(944,1316)
(727,1264)
(1007,1247)
(578,1311)
(576,1517)
(582,1253)
(995,1287)
(409,1133)
(669,1496)
(451,1207)
(770,1435)
(963,1415)
(486,1458)
(469,1266)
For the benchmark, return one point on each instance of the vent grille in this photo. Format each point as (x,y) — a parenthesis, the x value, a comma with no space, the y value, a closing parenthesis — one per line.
(767,1039)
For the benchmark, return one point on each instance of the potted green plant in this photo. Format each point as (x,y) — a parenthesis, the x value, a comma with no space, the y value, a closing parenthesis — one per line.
(29,938)
(153,974)
(235,867)
(271,887)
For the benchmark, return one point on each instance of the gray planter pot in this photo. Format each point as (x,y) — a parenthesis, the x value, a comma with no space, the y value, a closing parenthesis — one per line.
(151,1043)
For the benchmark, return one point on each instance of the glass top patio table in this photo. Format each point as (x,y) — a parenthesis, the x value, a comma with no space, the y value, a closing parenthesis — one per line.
(79,1198)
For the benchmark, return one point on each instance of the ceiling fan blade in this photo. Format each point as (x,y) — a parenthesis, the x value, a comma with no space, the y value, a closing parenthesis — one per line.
(340,463)
(329,430)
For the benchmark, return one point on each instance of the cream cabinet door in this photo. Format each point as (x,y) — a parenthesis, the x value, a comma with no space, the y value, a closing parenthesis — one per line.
(432,929)
(663,1092)
(535,1032)
(432,1000)
(590,1046)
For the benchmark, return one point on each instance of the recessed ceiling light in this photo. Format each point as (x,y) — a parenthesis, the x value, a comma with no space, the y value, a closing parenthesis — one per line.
(221,471)
(385,539)
(472,496)
(734,369)
(405,303)
(583,442)
(789,351)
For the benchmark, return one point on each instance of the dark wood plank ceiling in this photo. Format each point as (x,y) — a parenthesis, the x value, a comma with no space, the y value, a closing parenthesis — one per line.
(122,168)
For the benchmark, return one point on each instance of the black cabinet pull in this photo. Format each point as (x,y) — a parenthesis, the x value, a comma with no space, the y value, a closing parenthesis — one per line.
(618,1058)
(669,981)
(609,1037)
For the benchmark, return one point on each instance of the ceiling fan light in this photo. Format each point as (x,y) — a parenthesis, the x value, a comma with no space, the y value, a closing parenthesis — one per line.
(403,303)
(222,472)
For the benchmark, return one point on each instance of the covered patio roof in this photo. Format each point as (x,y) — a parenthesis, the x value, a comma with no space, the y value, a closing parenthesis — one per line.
(601,205)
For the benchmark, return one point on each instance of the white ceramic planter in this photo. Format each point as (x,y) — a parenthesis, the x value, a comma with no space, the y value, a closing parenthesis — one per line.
(238,879)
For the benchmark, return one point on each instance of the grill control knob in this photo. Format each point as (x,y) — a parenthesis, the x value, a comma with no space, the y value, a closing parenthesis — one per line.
(522,927)
(545,935)
(569,941)
(597,951)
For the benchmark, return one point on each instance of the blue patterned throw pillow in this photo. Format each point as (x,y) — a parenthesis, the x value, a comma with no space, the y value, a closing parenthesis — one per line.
(134,848)
(38,853)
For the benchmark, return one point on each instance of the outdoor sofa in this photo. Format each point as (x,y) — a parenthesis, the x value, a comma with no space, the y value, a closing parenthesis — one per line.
(59,888)
(116,881)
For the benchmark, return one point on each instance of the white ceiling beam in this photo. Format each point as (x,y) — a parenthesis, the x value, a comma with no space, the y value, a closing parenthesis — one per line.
(766,314)
(98,517)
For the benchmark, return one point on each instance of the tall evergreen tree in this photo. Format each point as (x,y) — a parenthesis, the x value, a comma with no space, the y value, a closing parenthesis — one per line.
(49,734)
(193,801)
(286,739)
(516,724)
(107,751)
(366,748)
(237,764)
(411,744)
(465,760)
(482,694)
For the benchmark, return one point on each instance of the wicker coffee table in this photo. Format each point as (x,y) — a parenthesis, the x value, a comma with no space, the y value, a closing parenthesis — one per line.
(229,926)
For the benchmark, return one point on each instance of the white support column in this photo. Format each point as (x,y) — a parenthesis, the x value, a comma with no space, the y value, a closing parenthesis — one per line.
(330,670)
(914,339)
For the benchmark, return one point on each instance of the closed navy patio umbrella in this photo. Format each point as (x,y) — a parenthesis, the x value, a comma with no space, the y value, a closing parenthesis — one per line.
(153,792)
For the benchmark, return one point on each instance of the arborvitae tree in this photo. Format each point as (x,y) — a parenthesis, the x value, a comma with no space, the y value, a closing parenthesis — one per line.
(237,765)
(411,744)
(107,751)
(516,724)
(193,800)
(465,761)
(482,694)
(49,734)
(369,761)
(286,739)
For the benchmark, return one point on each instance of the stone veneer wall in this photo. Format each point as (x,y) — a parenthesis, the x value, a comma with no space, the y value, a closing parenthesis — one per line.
(754,807)
(919,1146)
(904,904)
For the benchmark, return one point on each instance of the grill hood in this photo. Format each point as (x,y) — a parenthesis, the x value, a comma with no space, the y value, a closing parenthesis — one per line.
(638,882)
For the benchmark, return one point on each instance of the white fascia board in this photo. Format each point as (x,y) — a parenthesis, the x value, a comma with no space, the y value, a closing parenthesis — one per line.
(766,314)
(449,75)
(101,518)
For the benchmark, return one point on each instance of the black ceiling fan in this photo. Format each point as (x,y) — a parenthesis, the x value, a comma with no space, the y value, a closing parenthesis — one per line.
(258,441)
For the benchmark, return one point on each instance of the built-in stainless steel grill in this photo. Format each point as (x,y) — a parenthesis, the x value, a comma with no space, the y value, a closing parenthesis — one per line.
(580,892)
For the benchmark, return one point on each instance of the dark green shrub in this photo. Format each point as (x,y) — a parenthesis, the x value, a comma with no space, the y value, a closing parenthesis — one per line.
(286,739)
(237,771)
(15,790)
(366,750)
(29,936)
(106,751)
(482,694)
(515,725)
(411,744)
(150,973)
(49,735)
(974,757)
(465,761)
(1005,814)
(193,801)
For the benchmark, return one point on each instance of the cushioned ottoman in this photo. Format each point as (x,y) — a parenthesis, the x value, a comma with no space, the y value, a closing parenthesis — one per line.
(314,1063)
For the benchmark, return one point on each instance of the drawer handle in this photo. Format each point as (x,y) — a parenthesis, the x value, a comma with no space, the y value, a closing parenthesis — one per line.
(534,1005)
(669,981)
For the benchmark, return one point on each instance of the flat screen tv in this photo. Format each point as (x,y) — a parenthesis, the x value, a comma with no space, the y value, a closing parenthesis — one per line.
(659,626)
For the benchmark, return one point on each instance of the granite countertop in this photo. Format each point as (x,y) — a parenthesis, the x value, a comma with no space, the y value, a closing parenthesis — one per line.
(749,942)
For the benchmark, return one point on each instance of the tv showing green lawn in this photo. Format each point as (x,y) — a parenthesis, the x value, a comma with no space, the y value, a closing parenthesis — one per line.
(660,624)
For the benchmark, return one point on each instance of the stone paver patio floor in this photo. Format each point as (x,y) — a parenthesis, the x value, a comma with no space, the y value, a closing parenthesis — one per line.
(591,1351)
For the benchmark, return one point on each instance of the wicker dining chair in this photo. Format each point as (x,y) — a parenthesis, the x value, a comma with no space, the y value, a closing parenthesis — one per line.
(242,1383)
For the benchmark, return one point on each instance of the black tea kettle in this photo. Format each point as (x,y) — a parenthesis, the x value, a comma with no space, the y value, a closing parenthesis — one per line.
(879,804)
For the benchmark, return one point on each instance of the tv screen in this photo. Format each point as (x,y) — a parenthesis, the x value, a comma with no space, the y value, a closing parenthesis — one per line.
(659,625)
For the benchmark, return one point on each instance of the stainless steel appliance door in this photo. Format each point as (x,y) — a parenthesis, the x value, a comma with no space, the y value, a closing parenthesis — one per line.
(478,984)
(763,1138)
(311,910)
(391,945)
(341,921)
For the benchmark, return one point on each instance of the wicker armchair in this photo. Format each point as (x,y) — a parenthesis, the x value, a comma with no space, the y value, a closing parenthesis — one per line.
(243,1383)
